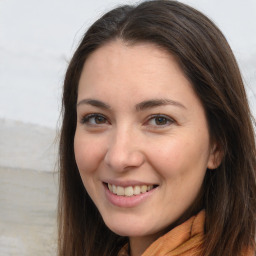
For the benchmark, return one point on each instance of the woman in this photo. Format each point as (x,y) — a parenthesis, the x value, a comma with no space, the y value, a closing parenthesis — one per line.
(157,151)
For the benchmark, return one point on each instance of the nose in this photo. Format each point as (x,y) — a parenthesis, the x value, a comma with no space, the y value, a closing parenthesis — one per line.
(124,152)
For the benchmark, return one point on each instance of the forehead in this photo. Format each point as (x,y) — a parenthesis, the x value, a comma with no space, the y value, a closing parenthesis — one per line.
(118,52)
(124,64)
(124,76)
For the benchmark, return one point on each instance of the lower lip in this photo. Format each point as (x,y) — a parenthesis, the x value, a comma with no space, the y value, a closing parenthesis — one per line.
(127,201)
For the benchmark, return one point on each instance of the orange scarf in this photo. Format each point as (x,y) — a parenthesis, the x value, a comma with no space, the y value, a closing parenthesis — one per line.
(184,240)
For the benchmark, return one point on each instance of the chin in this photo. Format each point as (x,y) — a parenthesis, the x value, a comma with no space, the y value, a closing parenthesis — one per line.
(128,229)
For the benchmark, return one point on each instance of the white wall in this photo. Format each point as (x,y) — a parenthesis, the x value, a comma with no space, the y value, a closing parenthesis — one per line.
(37,39)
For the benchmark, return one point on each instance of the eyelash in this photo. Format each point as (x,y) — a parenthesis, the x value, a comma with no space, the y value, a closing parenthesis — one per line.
(168,120)
(86,119)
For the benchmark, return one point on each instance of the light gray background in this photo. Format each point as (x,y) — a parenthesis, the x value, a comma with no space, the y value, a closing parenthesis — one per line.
(37,39)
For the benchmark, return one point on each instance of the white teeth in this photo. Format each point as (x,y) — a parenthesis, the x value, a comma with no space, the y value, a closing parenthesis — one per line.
(114,189)
(129,191)
(136,190)
(149,187)
(120,191)
(143,189)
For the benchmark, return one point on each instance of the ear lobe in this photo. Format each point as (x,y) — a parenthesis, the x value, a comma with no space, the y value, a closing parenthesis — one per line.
(215,157)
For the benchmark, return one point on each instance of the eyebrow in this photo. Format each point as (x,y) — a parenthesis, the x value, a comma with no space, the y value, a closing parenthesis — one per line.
(95,103)
(156,103)
(147,104)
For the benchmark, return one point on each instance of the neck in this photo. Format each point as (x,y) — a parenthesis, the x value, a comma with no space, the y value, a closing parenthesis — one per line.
(139,244)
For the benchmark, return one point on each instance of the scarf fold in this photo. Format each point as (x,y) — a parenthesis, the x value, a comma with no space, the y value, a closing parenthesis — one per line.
(184,240)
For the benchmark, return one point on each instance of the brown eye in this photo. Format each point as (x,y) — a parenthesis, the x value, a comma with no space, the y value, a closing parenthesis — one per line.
(99,120)
(94,119)
(160,120)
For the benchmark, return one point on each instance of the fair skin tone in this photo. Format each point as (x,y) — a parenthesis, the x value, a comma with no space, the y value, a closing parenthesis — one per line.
(142,144)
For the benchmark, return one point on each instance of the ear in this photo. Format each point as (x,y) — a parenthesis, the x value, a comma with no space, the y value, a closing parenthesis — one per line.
(215,157)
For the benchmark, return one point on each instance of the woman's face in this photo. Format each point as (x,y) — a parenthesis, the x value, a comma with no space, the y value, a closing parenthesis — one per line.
(142,144)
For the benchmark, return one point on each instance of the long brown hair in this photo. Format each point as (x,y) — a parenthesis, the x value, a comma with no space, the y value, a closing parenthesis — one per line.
(229,192)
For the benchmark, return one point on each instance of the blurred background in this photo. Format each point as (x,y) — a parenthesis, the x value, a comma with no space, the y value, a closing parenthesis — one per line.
(37,39)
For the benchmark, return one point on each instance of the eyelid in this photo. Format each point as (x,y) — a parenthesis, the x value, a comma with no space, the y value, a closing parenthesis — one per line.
(85,118)
(168,118)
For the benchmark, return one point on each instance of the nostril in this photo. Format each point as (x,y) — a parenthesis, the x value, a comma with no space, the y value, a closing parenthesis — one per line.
(124,160)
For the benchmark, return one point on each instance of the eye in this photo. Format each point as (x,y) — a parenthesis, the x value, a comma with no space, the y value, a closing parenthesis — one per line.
(94,119)
(160,120)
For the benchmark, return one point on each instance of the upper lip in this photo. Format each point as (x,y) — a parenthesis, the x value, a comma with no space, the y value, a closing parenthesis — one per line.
(127,183)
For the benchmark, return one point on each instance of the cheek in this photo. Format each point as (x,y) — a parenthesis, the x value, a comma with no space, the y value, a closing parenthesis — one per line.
(88,153)
(179,157)
(165,155)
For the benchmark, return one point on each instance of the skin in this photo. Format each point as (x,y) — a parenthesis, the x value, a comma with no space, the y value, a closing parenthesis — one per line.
(127,143)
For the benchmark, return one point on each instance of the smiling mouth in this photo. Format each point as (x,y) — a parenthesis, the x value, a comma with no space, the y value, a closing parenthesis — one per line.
(130,190)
